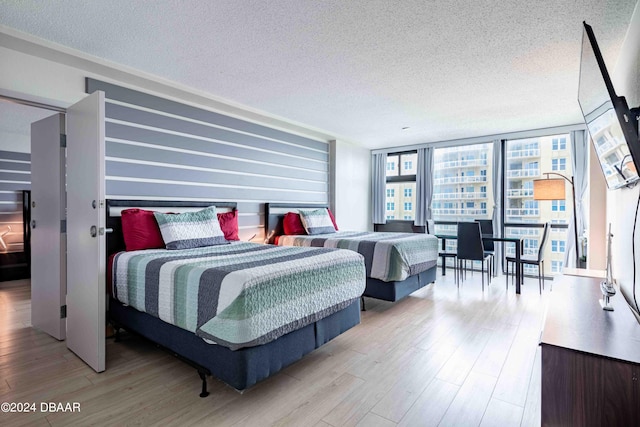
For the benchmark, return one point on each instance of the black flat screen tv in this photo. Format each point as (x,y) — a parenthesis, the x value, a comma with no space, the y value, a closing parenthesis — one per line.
(612,126)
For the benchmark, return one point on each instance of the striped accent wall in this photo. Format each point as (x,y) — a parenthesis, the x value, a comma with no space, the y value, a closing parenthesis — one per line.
(160,149)
(15,176)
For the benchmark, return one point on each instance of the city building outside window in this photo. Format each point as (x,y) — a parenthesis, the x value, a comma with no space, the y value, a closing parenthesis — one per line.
(558,205)
(559,164)
(558,246)
(556,266)
(401,184)
(559,143)
(525,160)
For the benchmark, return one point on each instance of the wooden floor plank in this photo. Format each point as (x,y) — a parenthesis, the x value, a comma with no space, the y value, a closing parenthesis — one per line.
(501,414)
(390,369)
(431,406)
(470,404)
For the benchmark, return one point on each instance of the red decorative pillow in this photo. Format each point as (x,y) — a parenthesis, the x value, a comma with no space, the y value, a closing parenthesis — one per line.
(229,224)
(333,220)
(292,224)
(140,230)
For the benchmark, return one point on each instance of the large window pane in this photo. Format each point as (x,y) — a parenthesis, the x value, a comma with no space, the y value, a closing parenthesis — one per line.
(401,200)
(526,160)
(462,183)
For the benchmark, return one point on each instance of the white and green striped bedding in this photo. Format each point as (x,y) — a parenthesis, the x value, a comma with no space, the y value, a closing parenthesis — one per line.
(242,294)
(387,256)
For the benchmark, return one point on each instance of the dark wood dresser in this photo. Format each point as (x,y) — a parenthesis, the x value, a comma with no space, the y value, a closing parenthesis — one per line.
(590,358)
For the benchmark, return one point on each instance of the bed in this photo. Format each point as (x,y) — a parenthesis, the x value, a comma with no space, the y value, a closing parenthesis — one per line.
(397,264)
(239,311)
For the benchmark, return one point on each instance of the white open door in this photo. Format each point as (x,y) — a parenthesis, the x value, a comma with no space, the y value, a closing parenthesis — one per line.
(48,264)
(86,293)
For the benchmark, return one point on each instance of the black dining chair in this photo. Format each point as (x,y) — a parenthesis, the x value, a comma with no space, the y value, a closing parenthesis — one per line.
(536,260)
(470,248)
(486,228)
(443,254)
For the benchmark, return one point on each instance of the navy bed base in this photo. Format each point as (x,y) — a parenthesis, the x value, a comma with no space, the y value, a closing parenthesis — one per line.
(393,291)
(241,368)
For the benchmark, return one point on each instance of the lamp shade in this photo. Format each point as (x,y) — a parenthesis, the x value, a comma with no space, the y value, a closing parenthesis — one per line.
(549,189)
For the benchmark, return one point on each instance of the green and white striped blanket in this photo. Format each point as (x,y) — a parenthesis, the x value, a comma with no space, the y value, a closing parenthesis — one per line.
(387,256)
(241,294)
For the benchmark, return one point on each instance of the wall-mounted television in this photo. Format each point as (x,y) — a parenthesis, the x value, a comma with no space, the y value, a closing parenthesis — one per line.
(612,126)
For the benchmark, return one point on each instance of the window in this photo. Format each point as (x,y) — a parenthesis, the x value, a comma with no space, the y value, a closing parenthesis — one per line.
(527,159)
(401,184)
(559,143)
(461,177)
(483,205)
(556,266)
(558,206)
(530,246)
(559,164)
(558,245)
(391,217)
(391,167)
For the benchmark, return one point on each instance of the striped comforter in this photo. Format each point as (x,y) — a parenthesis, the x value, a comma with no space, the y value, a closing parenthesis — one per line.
(241,294)
(387,256)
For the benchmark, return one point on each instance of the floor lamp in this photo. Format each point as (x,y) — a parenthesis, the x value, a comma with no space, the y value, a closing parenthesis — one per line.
(554,189)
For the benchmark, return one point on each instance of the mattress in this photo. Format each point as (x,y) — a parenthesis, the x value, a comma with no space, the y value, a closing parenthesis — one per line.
(388,256)
(241,294)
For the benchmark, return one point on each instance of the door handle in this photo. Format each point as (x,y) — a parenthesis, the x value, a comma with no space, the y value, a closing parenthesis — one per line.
(103,230)
(93,230)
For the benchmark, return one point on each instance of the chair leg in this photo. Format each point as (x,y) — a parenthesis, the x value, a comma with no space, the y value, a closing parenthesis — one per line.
(482,273)
(539,280)
(506,277)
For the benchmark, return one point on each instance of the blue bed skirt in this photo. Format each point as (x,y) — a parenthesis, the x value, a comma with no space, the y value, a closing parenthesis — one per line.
(393,291)
(241,368)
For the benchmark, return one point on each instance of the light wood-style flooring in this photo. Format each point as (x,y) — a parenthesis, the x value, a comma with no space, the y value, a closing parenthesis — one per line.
(443,356)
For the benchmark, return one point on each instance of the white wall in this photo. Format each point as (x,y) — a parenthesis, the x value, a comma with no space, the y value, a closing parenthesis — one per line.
(350,192)
(36,70)
(10,141)
(621,204)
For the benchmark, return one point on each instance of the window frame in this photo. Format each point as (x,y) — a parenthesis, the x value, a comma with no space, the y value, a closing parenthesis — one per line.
(400,178)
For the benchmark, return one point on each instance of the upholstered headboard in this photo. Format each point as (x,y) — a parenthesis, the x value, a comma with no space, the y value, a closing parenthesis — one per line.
(115,240)
(275,212)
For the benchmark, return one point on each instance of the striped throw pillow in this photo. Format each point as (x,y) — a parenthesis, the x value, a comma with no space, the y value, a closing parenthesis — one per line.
(317,221)
(190,229)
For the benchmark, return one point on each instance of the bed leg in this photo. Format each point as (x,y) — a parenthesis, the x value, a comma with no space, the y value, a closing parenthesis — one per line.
(117,335)
(203,377)
(362,306)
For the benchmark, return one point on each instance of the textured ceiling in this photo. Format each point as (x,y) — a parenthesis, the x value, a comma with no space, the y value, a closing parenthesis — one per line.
(357,69)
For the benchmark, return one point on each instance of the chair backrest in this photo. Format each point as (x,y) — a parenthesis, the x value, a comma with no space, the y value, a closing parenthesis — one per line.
(486,227)
(430,226)
(543,242)
(470,241)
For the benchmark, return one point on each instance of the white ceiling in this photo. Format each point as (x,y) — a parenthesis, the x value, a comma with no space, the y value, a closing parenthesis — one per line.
(357,69)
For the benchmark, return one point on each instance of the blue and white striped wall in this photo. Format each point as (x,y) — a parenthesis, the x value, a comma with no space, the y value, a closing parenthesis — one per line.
(15,176)
(157,148)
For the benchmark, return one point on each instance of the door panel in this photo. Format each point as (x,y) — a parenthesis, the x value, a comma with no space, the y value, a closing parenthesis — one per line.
(85,209)
(48,263)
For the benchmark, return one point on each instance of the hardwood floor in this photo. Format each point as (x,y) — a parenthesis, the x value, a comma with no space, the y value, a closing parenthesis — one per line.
(442,356)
